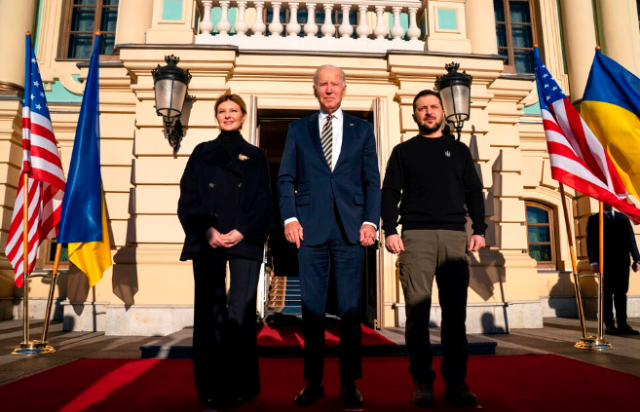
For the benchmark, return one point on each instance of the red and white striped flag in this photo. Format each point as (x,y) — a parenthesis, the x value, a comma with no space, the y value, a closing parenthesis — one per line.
(41,161)
(577,158)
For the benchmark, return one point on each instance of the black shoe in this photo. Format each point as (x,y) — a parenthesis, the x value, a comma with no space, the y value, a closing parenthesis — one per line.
(352,398)
(309,394)
(627,330)
(612,330)
(213,402)
(423,395)
(459,394)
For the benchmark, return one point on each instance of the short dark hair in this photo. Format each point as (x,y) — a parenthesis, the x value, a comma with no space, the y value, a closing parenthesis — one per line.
(426,92)
(230,97)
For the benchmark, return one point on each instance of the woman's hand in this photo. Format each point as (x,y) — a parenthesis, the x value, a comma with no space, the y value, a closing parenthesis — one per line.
(232,238)
(215,239)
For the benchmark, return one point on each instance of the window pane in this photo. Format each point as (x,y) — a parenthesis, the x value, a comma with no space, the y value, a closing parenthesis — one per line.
(539,234)
(107,43)
(110,2)
(519,12)
(64,253)
(541,253)
(498,9)
(85,2)
(523,60)
(303,16)
(80,46)
(82,19)
(504,52)
(537,215)
(109,17)
(522,36)
(501,32)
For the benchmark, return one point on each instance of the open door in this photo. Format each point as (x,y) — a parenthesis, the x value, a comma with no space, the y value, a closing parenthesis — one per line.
(373,266)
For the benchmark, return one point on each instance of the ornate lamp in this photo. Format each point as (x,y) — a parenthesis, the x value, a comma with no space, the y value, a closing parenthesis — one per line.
(170,85)
(455,91)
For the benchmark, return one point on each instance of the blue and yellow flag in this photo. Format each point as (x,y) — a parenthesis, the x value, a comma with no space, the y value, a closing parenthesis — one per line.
(83,221)
(611,108)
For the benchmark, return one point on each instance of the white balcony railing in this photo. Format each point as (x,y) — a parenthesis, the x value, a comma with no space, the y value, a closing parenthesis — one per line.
(335,26)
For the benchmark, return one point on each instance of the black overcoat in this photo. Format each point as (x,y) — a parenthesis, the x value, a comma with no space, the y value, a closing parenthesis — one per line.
(225,191)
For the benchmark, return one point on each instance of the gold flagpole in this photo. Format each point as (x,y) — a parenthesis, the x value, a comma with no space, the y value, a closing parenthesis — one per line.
(47,316)
(601,343)
(25,260)
(584,340)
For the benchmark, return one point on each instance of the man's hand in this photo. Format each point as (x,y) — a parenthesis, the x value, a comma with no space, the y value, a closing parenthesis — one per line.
(476,243)
(595,268)
(214,238)
(394,244)
(293,233)
(232,238)
(367,235)
(635,266)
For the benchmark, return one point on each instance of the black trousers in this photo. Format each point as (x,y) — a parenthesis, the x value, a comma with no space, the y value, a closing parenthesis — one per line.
(225,356)
(315,266)
(616,286)
(441,254)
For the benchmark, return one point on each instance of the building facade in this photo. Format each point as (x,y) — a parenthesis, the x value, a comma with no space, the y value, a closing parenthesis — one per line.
(267,52)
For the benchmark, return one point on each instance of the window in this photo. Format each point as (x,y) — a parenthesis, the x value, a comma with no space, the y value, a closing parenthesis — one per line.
(515,29)
(540,234)
(83,19)
(48,251)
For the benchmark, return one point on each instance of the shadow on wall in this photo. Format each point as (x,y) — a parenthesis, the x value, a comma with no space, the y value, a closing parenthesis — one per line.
(488,322)
(562,297)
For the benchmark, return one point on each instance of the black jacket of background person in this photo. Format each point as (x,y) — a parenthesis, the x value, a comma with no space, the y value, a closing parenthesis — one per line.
(433,179)
(619,243)
(226,190)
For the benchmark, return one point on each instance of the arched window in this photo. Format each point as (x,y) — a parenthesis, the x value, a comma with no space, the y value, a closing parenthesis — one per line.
(541,234)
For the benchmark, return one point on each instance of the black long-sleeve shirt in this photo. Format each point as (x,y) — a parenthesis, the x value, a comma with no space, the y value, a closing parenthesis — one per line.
(432,179)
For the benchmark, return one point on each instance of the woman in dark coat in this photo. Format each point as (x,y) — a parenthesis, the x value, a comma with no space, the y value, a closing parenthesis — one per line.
(226,211)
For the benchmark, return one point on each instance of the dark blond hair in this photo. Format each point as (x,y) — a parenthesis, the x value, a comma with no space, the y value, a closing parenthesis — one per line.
(230,97)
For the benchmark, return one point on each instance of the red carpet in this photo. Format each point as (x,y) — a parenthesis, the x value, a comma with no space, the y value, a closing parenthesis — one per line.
(503,383)
(291,338)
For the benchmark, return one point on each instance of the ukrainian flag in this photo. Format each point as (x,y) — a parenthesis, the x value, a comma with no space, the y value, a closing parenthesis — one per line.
(83,221)
(611,108)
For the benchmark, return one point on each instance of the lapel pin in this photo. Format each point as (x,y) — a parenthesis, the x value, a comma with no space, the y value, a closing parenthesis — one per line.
(351,124)
(243,157)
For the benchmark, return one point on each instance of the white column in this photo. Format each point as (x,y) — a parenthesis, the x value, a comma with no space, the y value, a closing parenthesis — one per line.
(293,28)
(414,31)
(345,29)
(580,42)
(275,27)
(328,29)
(311,28)
(481,26)
(258,27)
(397,31)
(620,37)
(380,31)
(223,25)
(206,25)
(363,30)
(241,25)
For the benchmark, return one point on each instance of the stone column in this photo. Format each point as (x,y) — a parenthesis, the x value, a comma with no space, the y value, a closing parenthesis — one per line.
(619,34)
(134,19)
(580,42)
(481,26)
(16,18)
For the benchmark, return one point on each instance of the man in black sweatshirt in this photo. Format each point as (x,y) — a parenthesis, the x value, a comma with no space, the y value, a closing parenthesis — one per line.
(432,177)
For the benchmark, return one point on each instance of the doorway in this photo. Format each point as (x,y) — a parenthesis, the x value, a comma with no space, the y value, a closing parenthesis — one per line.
(271,126)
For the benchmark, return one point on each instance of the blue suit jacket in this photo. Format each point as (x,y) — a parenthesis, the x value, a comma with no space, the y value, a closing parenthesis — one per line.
(307,188)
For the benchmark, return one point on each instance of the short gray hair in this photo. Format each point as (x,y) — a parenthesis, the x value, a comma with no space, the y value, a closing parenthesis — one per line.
(329,66)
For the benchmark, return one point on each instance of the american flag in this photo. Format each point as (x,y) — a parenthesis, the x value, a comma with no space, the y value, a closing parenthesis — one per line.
(40,160)
(577,158)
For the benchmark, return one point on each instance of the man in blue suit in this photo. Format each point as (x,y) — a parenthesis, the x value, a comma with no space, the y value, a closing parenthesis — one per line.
(329,194)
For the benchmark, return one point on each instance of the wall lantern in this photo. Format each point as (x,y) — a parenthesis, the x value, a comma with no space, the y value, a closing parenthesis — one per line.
(170,85)
(455,91)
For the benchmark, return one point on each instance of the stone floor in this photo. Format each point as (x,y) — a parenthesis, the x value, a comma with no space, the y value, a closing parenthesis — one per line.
(557,336)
